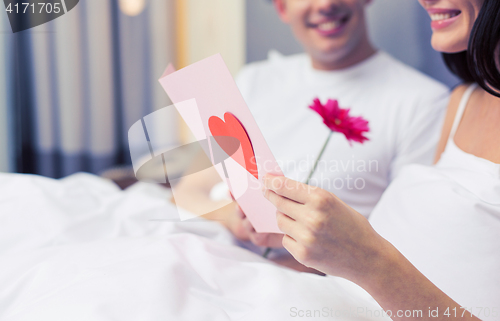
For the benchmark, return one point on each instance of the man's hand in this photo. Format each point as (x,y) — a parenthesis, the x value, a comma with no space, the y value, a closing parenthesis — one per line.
(242,229)
(272,240)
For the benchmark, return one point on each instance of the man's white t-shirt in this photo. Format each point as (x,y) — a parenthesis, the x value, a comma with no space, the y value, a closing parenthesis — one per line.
(404,108)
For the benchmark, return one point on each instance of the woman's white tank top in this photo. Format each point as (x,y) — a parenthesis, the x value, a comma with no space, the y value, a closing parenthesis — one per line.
(446,220)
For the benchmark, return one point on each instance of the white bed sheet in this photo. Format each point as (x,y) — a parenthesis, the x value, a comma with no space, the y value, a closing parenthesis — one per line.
(81,249)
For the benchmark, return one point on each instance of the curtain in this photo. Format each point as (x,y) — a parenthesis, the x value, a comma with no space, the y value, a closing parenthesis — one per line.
(6,152)
(81,81)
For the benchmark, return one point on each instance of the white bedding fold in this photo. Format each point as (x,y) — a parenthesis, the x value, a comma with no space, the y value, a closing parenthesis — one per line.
(81,249)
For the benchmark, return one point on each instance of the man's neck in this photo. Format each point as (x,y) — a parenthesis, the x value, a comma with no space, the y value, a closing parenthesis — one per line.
(361,53)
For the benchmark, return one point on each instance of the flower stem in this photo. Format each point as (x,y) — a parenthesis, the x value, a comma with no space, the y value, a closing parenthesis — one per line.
(311,173)
(266,252)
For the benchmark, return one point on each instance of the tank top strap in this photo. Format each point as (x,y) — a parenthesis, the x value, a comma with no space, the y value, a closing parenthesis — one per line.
(461,109)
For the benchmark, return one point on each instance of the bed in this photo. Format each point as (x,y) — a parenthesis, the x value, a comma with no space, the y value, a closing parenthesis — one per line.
(80,248)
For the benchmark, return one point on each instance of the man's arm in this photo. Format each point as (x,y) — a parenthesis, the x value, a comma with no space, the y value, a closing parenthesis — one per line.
(192,193)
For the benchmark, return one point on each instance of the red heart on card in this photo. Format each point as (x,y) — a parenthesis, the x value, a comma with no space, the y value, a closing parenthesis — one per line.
(232,127)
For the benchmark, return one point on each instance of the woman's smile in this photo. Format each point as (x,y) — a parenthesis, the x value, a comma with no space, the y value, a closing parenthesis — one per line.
(442,18)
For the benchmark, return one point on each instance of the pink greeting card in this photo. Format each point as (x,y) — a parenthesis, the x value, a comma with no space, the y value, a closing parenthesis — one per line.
(206,96)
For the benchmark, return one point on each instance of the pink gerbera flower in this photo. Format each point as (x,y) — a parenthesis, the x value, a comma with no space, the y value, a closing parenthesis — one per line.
(338,120)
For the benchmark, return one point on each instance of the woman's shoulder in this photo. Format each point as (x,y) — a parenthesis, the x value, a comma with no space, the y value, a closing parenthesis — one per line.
(458,92)
(455,98)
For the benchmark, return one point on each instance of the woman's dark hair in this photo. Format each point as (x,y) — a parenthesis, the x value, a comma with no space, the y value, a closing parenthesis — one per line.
(478,63)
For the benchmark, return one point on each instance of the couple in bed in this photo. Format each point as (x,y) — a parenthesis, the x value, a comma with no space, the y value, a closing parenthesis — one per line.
(432,242)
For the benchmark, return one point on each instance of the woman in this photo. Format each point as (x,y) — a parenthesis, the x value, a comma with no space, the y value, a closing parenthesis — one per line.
(445,219)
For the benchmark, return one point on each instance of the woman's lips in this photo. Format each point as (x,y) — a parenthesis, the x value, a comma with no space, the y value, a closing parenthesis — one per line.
(442,18)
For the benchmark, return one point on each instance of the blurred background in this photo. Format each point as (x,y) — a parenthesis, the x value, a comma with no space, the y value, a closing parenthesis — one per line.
(70,89)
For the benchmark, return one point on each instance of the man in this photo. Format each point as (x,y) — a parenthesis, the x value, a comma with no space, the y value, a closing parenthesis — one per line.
(404,107)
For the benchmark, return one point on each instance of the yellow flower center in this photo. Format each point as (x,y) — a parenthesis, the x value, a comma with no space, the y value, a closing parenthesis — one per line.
(337,121)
